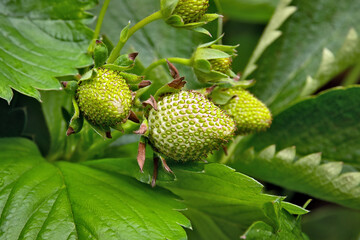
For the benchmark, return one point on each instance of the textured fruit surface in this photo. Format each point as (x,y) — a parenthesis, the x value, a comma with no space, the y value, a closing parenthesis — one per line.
(220,64)
(191,10)
(249,113)
(187,126)
(105,100)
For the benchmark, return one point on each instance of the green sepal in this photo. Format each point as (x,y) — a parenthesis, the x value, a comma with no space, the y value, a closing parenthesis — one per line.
(202,65)
(89,75)
(173,87)
(167,7)
(100,53)
(116,67)
(100,130)
(76,123)
(70,86)
(176,21)
(220,97)
(141,91)
(209,53)
(212,77)
(231,50)
(230,73)
(209,17)
(124,34)
(209,44)
(137,87)
(131,78)
(77,120)
(202,30)
(164,90)
(244,83)
(125,61)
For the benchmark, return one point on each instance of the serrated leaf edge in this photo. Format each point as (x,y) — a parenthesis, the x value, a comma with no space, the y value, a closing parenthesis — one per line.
(339,187)
(270,34)
(331,64)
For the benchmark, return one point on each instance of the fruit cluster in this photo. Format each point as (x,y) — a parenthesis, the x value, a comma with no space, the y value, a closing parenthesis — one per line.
(181,125)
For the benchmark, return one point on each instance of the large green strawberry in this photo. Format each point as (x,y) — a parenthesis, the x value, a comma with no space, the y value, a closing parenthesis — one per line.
(249,113)
(191,10)
(187,126)
(104,100)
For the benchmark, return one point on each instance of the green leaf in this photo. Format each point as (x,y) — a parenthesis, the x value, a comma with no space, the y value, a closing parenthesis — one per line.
(39,41)
(250,11)
(317,42)
(328,123)
(213,192)
(284,226)
(327,181)
(332,223)
(72,201)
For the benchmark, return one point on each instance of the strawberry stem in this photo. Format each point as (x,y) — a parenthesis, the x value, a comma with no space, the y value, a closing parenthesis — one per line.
(116,51)
(220,21)
(183,61)
(98,26)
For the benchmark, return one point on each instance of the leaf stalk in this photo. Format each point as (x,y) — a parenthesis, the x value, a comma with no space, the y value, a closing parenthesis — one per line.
(116,51)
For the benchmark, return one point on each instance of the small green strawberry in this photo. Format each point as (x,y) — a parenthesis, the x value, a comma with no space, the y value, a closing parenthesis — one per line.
(187,14)
(191,10)
(187,126)
(249,113)
(104,100)
(212,63)
(221,64)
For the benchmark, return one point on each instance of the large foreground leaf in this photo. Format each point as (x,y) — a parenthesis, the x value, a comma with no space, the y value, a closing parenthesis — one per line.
(328,123)
(320,40)
(40,40)
(39,200)
(221,202)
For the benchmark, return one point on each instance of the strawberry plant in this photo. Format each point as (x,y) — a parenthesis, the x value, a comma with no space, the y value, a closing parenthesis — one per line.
(179,119)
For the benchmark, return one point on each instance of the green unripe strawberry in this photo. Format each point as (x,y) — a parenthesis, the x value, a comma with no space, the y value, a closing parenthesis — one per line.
(191,10)
(220,64)
(187,126)
(105,100)
(249,113)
